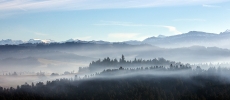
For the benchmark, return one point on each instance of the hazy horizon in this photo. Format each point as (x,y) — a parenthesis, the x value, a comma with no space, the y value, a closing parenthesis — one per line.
(109,20)
(114,49)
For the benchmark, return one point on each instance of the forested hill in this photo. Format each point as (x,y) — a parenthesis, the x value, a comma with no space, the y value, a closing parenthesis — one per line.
(194,54)
(197,84)
(69,45)
(107,63)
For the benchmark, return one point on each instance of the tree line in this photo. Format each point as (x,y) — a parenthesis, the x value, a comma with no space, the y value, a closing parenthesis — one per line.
(106,63)
(211,84)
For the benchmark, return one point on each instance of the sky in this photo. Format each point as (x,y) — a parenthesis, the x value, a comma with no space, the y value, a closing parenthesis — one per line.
(110,20)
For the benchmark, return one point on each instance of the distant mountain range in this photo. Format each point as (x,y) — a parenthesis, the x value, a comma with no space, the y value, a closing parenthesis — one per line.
(73,54)
(17,42)
(192,38)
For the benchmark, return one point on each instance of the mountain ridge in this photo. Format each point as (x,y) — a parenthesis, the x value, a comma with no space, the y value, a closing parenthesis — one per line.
(192,38)
(186,39)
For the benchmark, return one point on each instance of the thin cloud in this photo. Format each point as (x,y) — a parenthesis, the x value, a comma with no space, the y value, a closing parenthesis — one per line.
(190,20)
(117,23)
(34,32)
(28,5)
(40,34)
(211,6)
(122,35)
(84,38)
(171,29)
(14,7)
(126,36)
(129,24)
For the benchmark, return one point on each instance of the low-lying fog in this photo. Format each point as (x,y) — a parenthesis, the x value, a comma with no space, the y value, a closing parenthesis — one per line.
(60,58)
(14,81)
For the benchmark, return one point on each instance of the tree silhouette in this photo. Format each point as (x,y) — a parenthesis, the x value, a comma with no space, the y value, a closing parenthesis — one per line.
(99,65)
(197,86)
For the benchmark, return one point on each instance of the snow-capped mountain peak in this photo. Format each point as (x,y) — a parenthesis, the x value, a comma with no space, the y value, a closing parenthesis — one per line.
(227,31)
(10,42)
(161,36)
(40,41)
(72,40)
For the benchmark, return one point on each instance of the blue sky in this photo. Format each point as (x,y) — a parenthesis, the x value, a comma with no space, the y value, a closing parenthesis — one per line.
(110,20)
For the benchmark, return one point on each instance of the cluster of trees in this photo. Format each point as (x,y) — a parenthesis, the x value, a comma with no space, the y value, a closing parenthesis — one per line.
(150,70)
(106,63)
(79,45)
(10,74)
(208,65)
(38,73)
(202,85)
(20,73)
